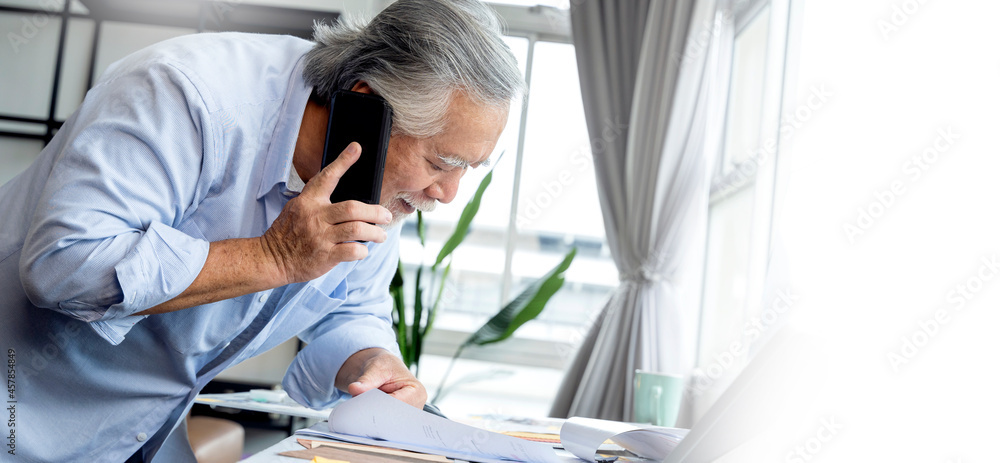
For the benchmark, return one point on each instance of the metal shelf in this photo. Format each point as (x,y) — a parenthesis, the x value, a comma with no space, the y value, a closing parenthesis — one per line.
(201,15)
(211,15)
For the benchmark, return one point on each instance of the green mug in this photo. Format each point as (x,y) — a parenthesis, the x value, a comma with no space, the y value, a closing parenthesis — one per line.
(656,398)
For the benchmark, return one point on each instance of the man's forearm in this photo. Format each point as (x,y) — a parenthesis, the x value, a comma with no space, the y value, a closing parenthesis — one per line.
(234,268)
(304,242)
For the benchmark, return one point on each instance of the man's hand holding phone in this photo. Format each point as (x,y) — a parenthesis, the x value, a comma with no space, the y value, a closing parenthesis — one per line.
(312,235)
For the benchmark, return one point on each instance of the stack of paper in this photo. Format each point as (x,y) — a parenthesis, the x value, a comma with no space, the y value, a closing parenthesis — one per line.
(374,418)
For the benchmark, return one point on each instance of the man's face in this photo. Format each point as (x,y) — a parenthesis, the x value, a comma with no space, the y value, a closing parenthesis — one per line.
(419,172)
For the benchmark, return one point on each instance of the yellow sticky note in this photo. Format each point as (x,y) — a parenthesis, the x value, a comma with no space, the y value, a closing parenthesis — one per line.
(327,460)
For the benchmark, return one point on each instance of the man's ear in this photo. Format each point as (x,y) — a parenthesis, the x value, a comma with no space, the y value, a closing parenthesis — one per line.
(362,87)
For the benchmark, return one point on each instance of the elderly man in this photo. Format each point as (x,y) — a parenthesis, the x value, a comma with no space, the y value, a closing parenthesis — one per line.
(180,223)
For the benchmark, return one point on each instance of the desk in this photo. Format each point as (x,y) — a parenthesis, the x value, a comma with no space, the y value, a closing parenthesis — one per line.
(270,454)
(546,429)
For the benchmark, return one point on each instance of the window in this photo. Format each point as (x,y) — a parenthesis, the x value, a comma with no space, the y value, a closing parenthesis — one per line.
(731,210)
(541,203)
(742,193)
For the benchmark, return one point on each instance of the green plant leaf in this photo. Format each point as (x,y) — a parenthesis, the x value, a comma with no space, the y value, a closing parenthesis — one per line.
(462,228)
(524,308)
(437,299)
(421,228)
(399,312)
(416,337)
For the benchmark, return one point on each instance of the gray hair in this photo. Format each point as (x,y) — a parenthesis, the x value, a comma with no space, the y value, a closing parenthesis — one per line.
(416,54)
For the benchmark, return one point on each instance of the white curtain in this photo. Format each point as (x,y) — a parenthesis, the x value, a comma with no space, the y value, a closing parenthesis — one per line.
(657,67)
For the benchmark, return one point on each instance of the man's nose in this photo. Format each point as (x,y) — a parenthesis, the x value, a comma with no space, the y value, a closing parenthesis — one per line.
(444,189)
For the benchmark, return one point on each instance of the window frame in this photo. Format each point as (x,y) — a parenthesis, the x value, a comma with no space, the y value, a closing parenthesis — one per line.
(536,24)
(761,175)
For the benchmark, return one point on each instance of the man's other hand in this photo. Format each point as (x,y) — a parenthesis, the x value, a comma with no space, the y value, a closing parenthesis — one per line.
(378,368)
(311,235)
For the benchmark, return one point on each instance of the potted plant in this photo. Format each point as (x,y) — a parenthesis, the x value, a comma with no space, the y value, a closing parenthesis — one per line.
(412,326)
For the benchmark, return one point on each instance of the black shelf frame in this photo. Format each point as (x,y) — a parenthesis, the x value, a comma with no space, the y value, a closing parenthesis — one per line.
(200,15)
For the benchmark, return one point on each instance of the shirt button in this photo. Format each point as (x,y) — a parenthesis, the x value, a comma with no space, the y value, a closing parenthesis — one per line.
(140,437)
(262,298)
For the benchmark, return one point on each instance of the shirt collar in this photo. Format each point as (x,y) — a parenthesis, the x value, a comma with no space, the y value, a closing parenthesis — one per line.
(278,162)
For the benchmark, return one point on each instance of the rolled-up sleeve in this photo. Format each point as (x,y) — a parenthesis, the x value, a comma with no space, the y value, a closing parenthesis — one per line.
(362,321)
(108,238)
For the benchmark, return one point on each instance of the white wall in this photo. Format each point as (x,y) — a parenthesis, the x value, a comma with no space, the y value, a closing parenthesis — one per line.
(16,155)
(900,72)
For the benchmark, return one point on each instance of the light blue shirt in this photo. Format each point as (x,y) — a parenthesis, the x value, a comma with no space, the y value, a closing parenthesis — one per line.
(180,144)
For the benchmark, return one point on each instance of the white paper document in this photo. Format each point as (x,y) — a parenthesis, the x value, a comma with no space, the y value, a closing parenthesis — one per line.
(375,418)
(584,436)
(244,401)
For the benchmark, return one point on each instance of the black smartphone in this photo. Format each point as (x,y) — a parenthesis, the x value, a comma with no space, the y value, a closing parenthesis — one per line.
(366,119)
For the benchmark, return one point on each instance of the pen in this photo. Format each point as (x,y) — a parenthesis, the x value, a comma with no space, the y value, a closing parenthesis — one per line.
(430,408)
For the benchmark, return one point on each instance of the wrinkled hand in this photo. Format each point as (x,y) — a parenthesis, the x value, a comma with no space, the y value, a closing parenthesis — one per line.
(378,368)
(311,235)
